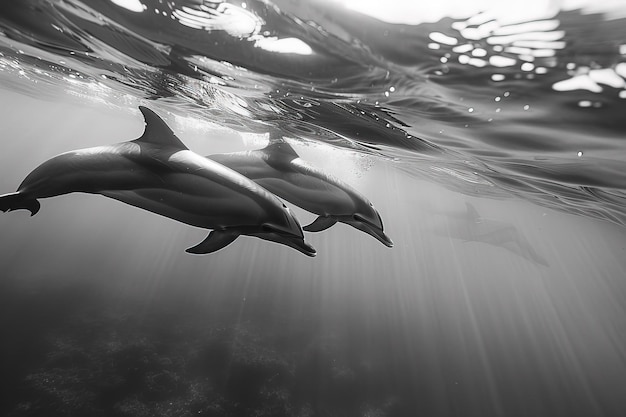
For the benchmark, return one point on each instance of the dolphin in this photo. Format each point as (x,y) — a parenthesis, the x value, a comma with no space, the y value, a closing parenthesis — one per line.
(158,173)
(470,226)
(280,170)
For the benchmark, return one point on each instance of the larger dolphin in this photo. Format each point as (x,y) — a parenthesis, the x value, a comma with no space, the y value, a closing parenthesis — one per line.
(280,170)
(157,172)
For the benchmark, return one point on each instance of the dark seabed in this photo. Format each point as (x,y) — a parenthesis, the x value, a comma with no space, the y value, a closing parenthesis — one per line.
(492,144)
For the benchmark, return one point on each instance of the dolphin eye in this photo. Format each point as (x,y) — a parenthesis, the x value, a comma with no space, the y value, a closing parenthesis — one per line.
(267,228)
(358,218)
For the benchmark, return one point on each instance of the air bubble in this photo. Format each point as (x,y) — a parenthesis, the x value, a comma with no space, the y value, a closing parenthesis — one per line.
(479,52)
(441,38)
(526,107)
(580,153)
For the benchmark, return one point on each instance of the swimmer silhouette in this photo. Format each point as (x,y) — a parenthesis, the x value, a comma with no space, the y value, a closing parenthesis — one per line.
(157,172)
(279,169)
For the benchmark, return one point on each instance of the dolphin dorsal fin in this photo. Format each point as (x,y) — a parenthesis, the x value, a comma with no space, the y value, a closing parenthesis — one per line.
(281,150)
(157,132)
(472,213)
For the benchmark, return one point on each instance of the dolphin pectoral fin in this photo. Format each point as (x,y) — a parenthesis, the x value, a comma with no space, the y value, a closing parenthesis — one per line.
(321,223)
(215,241)
(17,201)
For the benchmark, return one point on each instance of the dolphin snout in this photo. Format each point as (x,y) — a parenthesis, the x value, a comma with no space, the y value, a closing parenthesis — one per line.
(295,236)
(371,229)
(288,233)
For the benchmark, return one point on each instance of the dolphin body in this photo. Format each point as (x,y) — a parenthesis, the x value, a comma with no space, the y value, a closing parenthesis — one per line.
(158,173)
(472,227)
(280,170)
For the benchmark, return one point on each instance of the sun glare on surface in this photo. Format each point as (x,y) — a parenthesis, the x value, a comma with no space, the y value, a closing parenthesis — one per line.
(414,12)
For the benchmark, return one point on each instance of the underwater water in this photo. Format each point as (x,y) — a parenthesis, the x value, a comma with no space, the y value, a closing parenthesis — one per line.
(490,141)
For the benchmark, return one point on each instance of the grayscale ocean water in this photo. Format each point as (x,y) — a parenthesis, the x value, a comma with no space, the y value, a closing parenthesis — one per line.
(493,147)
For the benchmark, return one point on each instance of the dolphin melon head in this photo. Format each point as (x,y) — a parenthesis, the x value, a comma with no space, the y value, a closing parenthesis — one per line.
(368,220)
(287,232)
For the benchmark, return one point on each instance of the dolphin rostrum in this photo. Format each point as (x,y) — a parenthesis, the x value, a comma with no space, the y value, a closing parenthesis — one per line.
(280,170)
(158,173)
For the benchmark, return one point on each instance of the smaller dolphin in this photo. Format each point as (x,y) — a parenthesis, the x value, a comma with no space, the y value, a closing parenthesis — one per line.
(156,172)
(470,226)
(280,170)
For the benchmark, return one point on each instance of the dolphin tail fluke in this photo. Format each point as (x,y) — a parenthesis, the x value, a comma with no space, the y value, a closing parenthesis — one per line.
(18,201)
(321,223)
(215,241)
